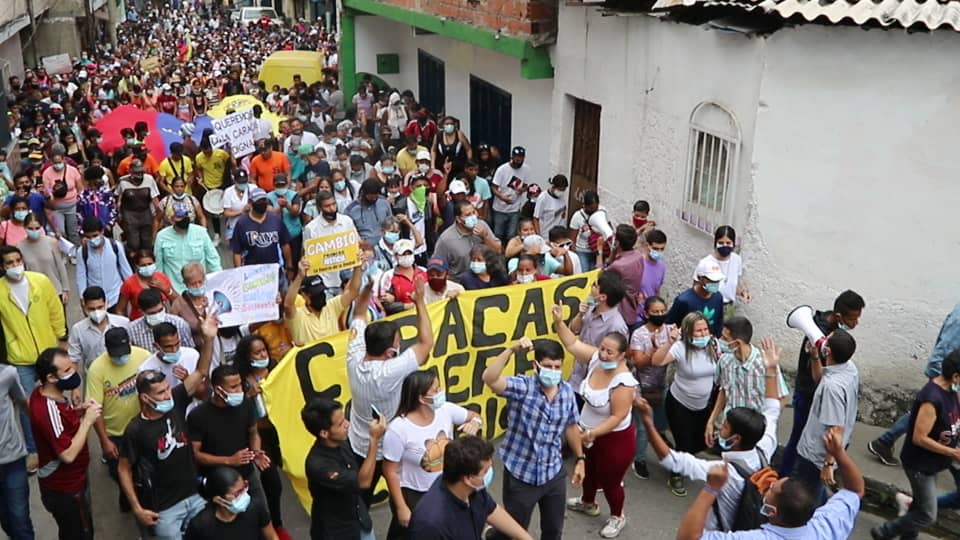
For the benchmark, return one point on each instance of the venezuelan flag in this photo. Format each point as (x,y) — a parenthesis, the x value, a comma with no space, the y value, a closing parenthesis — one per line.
(185,49)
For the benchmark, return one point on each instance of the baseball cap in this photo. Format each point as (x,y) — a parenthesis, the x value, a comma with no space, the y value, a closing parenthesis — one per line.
(137,166)
(117,341)
(312,284)
(708,268)
(35,155)
(402,246)
(457,186)
(257,194)
(305,149)
(279,179)
(437,263)
(423,154)
(518,151)
(240,175)
(180,211)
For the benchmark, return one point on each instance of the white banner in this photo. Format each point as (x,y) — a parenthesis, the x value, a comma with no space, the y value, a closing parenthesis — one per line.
(237,130)
(244,295)
(58,63)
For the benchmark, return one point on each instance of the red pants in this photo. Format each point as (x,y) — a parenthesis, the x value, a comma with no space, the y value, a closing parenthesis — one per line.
(607,462)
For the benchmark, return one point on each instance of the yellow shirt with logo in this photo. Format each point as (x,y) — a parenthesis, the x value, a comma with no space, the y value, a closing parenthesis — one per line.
(211,168)
(116,388)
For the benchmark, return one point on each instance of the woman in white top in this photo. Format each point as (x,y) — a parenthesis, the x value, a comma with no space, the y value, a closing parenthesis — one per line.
(733,288)
(236,201)
(608,433)
(688,398)
(414,443)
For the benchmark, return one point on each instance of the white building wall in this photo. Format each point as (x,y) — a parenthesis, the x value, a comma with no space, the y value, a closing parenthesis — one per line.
(531,99)
(846,170)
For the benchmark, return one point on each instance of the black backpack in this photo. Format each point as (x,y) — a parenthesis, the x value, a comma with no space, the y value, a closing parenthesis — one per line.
(85,253)
(747,517)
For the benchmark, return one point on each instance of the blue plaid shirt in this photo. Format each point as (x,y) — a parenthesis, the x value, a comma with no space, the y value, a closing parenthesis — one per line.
(535,428)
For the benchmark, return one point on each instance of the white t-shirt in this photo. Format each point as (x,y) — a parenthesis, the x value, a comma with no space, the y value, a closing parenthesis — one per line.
(234,201)
(502,179)
(693,382)
(579,222)
(188,361)
(21,293)
(306,137)
(321,227)
(551,211)
(732,269)
(330,148)
(596,402)
(263,128)
(419,449)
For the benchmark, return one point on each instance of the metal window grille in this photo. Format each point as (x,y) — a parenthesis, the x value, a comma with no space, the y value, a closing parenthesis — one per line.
(712,157)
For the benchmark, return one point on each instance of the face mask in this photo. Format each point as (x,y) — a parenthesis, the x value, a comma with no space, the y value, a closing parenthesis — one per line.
(70,382)
(449,129)
(639,222)
(318,301)
(390,237)
(767,509)
(487,480)
(197,291)
(712,288)
(438,400)
(405,261)
(163,406)
(955,387)
(179,196)
(525,278)
(16,272)
(260,207)
(700,342)
(591,301)
(656,320)
(242,186)
(97,315)
(147,270)
(20,215)
(58,166)
(843,327)
(120,360)
(656,255)
(478,267)
(550,377)
(608,365)
(96,241)
(437,284)
(260,363)
(389,170)
(724,251)
(340,185)
(233,399)
(423,167)
(724,346)
(154,319)
(725,444)
(183,224)
(170,357)
(470,222)
(558,193)
(240,504)
(34,234)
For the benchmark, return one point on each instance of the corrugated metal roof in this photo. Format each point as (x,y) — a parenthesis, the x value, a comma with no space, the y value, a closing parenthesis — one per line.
(931,14)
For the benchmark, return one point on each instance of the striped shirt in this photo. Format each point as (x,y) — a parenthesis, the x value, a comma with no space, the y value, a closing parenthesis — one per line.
(54,424)
(535,429)
(141,334)
(742,381)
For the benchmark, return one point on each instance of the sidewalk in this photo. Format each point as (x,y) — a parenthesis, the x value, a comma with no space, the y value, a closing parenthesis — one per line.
(883,482)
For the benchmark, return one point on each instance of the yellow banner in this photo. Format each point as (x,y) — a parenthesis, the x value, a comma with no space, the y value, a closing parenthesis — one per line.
(333,252)
(468,331)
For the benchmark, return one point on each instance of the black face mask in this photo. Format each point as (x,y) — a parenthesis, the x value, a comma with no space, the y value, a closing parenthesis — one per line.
(329,216)
(69,383)
(183,224)
(657,320)
(318,301)
(260,207)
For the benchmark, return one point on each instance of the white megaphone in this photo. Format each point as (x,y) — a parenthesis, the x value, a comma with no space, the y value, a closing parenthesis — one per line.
(598,222)
(801,318)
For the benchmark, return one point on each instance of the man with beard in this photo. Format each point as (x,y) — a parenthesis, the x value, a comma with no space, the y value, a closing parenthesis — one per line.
(329,222)
(138,191)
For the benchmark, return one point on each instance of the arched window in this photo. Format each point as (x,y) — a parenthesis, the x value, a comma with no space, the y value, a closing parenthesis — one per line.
(712,157)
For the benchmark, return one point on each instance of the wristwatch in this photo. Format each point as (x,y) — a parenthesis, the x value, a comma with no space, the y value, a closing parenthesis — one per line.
(581,458)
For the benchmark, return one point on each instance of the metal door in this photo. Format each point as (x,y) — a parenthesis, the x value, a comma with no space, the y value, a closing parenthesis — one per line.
(586,151)
(432,78)
(491,112)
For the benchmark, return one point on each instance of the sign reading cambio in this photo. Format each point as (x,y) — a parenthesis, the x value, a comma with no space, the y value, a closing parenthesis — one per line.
(333,252)
(236,130)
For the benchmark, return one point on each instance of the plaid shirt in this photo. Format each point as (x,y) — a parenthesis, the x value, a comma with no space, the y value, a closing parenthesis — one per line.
(535,429)
(743,382)
(141,335)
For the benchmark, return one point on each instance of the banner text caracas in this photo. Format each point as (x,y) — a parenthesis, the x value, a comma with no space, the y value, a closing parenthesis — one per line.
(468,331)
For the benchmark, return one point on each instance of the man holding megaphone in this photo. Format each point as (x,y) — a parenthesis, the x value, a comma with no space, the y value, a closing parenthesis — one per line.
(845,315)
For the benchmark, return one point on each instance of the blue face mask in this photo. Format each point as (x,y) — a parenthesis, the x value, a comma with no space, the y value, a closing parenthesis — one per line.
(164,406)
(340,186)
(196,291)
(656,255)
(20,215)
(170,357)
(725,444)
(179,196)
(34,234)
(389,170)
(148,270)
(608,365)
(391,237)
(242,186)
(438,400)
(550,377)
(120,360)
(487,480)
(724,346)
(239,504)
(478,267)
(96,241)
(233,399)
(700,342)
(712,288)
(955,387)
(260,363)
(470,222)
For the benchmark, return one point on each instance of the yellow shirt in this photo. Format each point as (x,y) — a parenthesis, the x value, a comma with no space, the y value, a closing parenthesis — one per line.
(305,327)
(116,388)
(169,170)
(406,161)
(211,168)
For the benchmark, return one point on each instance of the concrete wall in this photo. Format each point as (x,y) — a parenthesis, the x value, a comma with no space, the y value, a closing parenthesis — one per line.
(511,17)
(11,52)
(530,98)
(845,172)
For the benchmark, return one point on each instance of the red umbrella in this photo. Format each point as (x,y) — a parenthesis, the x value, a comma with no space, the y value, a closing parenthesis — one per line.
(126,116)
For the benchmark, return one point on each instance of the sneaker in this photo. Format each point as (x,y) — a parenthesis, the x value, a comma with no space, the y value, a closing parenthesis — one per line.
(884,452)
(578,505)
(903,503)
(216,240)
(33,464)
(282,534)
(613,527)
(676,485)
(640,470)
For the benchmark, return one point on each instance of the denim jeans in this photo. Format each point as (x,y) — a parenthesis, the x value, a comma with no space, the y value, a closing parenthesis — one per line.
(801,411)
(28,379)
(367,535)
(896,431)
(951,500)
(174,520)
(505,225)
(809,473)
(15,500)
(659,421)
(588,260)
(922,511)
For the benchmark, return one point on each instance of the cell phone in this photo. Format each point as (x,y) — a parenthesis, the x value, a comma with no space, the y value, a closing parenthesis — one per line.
(375,413)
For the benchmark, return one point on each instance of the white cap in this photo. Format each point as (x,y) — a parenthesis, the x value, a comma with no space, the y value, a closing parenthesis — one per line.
(403,245)
(457,186)
(423,154)
(166,86)
(533,241)
(708,268)
(82,74)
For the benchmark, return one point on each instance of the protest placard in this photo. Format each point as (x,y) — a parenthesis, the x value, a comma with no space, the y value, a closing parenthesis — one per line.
(150,64)
(333,252)
(58,63)
(244,295)
(236,129)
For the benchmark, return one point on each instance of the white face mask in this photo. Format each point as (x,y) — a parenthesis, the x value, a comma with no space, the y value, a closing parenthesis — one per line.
(154,319)
(405,261)
(525,278)
(97,315)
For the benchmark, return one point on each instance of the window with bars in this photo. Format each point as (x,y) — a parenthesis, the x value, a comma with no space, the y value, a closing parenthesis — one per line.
(713,152)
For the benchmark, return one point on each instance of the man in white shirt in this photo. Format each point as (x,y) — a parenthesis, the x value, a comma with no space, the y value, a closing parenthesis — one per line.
(86,335)
(376,369)
(509,187)
(330,221)
(174,361)
(296,128)
(550,209)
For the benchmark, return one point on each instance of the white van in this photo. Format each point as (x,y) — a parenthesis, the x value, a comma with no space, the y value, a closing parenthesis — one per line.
(250,15)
